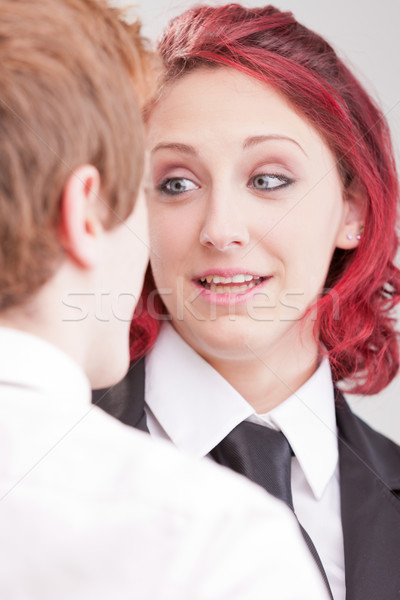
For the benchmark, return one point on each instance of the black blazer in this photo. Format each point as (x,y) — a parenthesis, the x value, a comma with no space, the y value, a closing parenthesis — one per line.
(369,482)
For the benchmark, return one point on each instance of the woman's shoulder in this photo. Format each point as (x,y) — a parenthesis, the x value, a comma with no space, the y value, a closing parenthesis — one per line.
(125,400)
(373,448)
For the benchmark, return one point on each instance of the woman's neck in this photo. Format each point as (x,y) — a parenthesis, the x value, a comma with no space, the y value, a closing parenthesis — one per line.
(267,379)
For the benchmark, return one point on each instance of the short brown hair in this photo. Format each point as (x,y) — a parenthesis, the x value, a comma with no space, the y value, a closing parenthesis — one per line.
(72,78)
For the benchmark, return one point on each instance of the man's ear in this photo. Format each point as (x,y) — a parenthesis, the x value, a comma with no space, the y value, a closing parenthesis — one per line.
(81,212)
(352,227)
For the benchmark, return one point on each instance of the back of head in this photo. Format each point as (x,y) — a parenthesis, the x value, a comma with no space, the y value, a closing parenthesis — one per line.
(362,286)
(72,75)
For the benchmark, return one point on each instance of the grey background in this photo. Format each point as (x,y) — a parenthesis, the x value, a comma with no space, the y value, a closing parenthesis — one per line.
(366,36)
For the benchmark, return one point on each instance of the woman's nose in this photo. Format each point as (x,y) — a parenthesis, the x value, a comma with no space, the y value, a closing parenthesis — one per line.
(224,226)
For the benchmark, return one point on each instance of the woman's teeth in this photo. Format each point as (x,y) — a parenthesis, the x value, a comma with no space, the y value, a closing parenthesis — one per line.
(229,289)
(225,280)
(221,285)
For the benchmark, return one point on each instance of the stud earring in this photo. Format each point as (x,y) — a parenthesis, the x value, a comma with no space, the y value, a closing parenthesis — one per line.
(350,236)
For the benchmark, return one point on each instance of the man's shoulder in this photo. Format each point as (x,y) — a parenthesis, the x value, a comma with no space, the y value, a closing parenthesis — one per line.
(105,490)
(157,470)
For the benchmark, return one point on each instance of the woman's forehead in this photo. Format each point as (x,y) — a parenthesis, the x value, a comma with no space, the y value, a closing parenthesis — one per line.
(224,103)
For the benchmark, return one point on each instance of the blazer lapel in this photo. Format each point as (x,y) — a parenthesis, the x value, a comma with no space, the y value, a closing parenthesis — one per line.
(125,400)
(370,504)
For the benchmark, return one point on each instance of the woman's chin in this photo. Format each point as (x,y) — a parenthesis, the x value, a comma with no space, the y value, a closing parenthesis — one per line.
(229,337)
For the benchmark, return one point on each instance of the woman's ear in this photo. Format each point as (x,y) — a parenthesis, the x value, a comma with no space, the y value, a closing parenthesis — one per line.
(81,211)
(352,227)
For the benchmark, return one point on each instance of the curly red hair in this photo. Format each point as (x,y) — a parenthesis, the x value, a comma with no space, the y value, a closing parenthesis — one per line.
(273,47)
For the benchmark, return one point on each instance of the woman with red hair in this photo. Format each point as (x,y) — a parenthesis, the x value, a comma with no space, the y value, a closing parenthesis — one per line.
(272,194)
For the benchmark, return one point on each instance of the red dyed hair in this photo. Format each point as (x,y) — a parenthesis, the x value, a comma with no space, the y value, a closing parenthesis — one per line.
(273,47)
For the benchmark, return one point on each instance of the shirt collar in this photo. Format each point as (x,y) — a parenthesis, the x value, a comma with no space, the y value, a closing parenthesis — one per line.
(307,419)
(207,405)
(208,408)
(31,362)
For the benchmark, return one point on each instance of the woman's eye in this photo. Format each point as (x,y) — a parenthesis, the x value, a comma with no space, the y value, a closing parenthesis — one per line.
(269,182)
(177,185)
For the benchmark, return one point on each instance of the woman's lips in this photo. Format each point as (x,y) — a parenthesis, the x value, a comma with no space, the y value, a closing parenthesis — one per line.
(228,287)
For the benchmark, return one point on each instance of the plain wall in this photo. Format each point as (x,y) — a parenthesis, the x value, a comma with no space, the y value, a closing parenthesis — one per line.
(365,34)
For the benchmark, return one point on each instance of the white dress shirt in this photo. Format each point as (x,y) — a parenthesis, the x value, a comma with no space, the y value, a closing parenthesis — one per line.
(92,509)
(191,404)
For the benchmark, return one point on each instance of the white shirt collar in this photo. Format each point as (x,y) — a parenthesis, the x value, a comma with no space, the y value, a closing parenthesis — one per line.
(31,362)
(180,382)
(196,407)
(307,419)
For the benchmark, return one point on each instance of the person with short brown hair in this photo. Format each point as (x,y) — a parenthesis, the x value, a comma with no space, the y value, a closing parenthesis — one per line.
(40,148)
(89,508)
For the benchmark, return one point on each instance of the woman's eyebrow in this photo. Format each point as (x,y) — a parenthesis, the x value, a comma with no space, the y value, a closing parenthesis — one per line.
(248,143)
(184,148)
(259,139)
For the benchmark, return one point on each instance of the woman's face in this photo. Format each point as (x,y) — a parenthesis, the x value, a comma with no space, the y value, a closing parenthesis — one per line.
(245,210)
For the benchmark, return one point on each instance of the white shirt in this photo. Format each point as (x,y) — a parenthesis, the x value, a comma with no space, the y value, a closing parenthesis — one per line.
(91,509)
(191,404)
